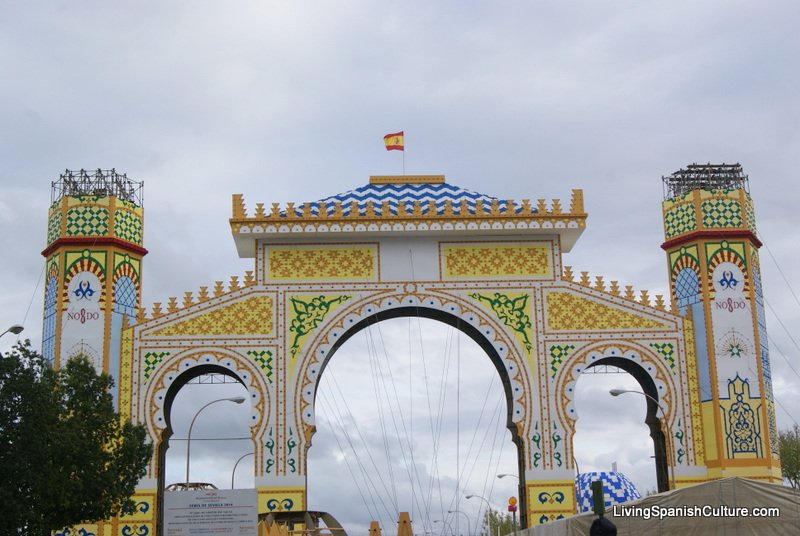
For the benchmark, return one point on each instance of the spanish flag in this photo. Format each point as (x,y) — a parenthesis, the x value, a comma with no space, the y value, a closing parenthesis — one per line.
(394,142)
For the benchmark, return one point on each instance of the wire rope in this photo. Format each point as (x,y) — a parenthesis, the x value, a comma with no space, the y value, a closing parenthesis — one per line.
(412,471)
(780,271)
(33,296)
(780,353)
(370,512)
(785,329)
(489,479)
(375,370)
(348,437)
(372,490)
(445,376)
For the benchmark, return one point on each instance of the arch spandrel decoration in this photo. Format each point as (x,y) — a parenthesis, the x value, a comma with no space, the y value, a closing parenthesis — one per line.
(405,246)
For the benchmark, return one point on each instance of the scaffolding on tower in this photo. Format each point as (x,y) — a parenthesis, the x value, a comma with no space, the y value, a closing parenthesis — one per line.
(705,177)
(99,183)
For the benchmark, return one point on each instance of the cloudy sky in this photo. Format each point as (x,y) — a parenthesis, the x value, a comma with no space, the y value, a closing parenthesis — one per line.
(288,101)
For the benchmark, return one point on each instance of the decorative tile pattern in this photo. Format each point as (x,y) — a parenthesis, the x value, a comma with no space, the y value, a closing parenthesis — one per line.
(721,213)
(136,529)
(536,439)
(128,226)
(512,310)
(557,445)
(750,215)
(679,436)
(617,489)
(151,361)
(245,317)
(269,452)
(694,393)
(732,252)
(559,354)
(400,198)
(307,314)
(142,508)
(49,328)
(687,288)
(568,312)
(126,373)
(321,264)
(679,220)
(54,226)
(126,298)
(667,351)
(486,260)
(263,359)
(549,500)
(742,421)
(85,261)
(281,499)
(79,530)
(87,221)
(291,453)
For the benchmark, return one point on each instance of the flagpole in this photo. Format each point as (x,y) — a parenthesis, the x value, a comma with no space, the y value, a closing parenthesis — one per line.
(404,156)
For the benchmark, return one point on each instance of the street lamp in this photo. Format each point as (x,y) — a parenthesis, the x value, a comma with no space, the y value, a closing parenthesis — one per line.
(469,528)
(667,438)
(503,475)
(242,457)
(16,329)
(236,399)
(489,516)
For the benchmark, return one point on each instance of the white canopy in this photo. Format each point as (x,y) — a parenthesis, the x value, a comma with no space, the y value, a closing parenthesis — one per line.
(706,509)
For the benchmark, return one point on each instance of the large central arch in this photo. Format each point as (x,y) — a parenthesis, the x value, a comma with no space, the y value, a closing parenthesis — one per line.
(511,368)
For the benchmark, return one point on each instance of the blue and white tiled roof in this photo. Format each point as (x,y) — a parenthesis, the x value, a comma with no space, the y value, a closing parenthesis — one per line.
(617,489)
(409,193)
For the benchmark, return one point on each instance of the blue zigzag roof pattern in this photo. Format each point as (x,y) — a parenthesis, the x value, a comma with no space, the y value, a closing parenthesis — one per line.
(617,489)
(409,193)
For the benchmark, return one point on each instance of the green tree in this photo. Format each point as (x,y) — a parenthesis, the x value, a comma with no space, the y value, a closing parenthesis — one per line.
(65,455)
(493,519)
(789,445)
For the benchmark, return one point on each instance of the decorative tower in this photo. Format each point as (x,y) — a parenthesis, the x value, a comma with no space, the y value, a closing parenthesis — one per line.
(93,266)
(712,251)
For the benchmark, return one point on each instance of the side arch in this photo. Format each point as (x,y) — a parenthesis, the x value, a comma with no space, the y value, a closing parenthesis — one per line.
(179,369)
(656,380)
(174,373)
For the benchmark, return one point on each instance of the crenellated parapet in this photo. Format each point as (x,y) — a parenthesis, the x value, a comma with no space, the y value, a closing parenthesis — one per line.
(175,304)
(392,205)
(628,293)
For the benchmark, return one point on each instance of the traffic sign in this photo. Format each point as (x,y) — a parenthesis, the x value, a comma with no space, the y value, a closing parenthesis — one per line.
(512,504)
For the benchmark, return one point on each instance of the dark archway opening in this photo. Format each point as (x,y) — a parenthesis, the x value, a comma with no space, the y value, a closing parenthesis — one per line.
(233,386)
(652,419)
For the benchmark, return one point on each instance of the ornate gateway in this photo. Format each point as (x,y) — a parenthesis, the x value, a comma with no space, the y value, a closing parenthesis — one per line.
(417,246)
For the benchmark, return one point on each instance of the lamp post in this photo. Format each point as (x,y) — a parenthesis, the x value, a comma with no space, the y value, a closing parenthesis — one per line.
(489,516)
(469,528)
(236,399)
(664,430)
(242,457)
(16,329)
(520,490)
